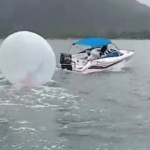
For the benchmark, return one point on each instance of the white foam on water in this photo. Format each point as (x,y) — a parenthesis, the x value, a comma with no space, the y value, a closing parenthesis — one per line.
(41,97)
(23,128)
(23,122)
(17,146)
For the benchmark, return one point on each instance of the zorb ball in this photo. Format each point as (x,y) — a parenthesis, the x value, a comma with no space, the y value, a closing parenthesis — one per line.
(27,58)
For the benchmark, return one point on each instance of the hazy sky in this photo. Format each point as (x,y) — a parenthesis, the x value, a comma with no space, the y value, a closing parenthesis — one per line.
(147,2)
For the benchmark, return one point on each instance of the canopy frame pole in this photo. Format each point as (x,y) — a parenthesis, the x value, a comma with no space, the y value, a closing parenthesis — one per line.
(115,46)
(75,46)
(70,48)
(79,48)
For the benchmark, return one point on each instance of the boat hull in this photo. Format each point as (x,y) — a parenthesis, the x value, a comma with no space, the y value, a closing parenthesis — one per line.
(78,63)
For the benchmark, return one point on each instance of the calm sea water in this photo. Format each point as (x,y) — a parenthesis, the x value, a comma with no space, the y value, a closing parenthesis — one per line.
(100,111)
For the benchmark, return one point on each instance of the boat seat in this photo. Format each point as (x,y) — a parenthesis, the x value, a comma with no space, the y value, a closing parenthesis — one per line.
(113,54)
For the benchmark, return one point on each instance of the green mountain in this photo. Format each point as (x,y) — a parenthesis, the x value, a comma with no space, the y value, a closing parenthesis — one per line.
(57,18)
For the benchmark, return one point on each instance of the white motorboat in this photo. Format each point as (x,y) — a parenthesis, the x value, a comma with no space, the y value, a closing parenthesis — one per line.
(80,63)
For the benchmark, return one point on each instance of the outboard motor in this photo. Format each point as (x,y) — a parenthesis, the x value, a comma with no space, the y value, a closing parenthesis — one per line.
(65,61)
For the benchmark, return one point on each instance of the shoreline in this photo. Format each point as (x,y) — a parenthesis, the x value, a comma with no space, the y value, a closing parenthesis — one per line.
(105,38)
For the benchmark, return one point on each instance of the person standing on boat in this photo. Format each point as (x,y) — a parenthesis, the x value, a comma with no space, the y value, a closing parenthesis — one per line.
(93,54)
(96,53)
(104,51)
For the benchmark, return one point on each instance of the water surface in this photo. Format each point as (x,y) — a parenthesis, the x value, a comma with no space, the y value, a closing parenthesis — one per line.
(100,111)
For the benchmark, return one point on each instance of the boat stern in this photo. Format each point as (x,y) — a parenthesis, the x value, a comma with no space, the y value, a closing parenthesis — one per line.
(65,61)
